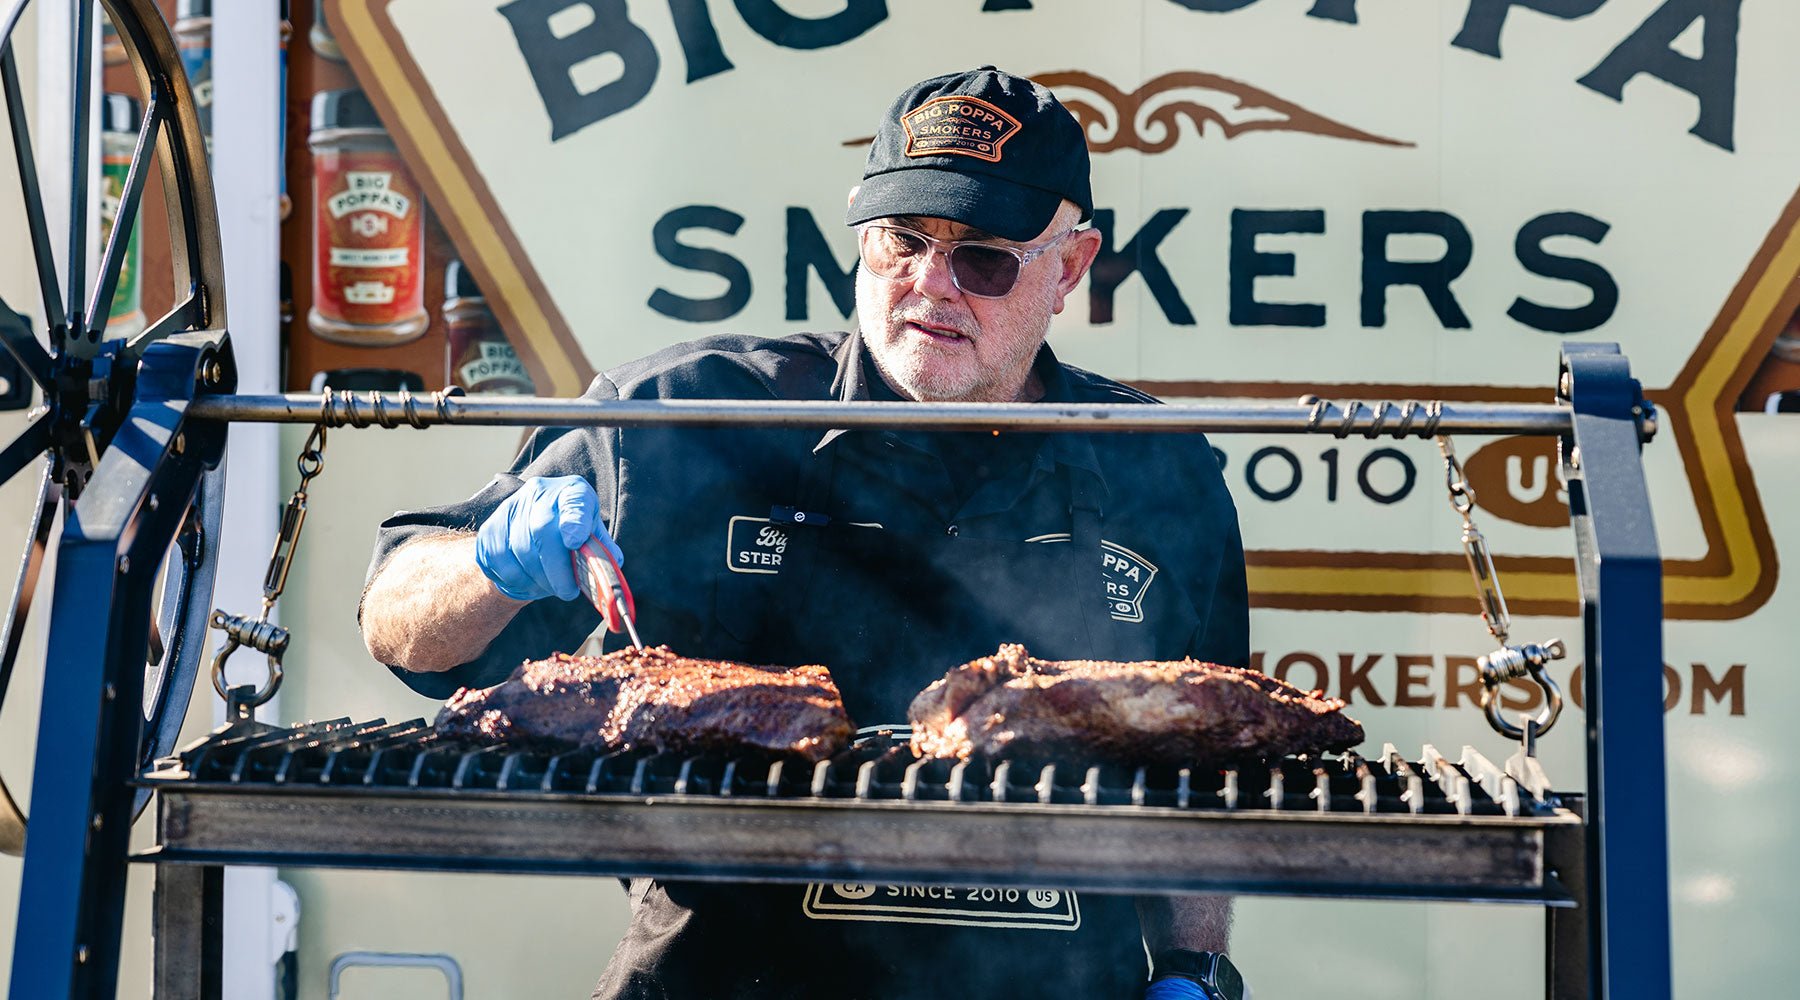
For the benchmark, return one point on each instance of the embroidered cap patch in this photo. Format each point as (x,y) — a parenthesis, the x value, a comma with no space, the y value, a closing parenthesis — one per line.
(958,126)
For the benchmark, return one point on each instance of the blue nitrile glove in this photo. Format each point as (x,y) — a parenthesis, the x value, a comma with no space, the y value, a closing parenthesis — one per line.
(1175,988)
(523,547)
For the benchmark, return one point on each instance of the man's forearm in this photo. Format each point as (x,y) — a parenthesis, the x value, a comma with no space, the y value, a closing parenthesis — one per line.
(430,608)
(1196,923)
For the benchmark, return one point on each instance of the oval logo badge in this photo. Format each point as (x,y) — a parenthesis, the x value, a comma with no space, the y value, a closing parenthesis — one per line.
(1516,478)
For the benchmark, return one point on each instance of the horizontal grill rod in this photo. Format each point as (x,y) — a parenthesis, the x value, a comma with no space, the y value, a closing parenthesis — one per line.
(1342,419)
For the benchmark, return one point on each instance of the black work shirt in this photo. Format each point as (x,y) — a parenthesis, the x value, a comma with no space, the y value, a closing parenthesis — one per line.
(911,576)
(669,497)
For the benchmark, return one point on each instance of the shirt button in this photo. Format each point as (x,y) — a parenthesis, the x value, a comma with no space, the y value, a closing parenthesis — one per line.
(951,531)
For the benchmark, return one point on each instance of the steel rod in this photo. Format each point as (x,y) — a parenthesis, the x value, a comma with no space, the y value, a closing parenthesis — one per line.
(31,190)
(118,243)
(83,59)
(400,410)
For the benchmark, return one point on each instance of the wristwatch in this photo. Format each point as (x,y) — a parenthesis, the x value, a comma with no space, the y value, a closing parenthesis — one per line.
(1215,974)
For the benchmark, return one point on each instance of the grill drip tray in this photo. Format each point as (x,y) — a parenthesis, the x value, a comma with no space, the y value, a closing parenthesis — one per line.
(394,795)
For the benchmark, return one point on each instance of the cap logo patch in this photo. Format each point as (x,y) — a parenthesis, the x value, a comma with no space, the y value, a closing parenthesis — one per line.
(958,126)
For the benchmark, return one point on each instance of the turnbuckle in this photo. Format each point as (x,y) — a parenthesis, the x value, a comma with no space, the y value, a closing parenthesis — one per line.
(1508,662)
(259,633)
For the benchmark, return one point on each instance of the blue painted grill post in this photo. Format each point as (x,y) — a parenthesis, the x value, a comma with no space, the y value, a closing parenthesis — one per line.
(1620,572)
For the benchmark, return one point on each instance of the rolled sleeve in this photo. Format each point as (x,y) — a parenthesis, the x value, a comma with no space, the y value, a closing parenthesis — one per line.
(542,627)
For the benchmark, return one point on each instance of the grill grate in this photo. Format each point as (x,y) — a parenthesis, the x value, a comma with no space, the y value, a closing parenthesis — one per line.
(402,756)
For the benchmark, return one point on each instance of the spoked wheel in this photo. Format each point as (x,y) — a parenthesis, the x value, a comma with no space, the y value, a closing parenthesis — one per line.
(89,373)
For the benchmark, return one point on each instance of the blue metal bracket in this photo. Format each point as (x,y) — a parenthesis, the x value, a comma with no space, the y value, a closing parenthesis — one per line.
(1619,569)
(90,727)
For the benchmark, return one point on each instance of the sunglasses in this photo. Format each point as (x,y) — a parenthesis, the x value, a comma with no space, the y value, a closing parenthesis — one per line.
(979,268)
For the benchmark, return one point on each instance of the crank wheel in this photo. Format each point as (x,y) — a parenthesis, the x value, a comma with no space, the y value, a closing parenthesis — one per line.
(85,369)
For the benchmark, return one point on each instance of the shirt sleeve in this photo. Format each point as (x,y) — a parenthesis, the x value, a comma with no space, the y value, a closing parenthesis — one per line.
(1224,632)
(542,627)
(1223,635)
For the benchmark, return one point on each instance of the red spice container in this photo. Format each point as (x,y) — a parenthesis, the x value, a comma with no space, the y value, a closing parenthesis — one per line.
(479,357)
(368,230)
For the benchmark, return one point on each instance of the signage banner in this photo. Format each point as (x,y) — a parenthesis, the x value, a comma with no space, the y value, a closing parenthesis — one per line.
(1359,199)
(1366,201)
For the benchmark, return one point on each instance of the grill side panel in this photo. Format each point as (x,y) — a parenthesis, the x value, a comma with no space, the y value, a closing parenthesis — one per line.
(1101,849)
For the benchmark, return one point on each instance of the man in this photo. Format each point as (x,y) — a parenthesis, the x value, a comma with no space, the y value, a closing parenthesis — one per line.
(887,556)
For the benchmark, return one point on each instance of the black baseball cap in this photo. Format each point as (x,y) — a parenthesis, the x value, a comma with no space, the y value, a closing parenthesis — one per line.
(984,148)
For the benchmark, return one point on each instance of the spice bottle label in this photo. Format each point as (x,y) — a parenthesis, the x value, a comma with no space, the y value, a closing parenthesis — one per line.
(369,241)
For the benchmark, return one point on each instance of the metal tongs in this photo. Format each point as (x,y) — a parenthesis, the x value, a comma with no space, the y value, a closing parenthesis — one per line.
(603,583)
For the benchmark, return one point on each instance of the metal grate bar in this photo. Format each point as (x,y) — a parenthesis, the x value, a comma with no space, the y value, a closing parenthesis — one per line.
(410,756)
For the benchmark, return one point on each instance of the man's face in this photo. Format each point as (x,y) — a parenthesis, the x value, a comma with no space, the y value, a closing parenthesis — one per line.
(931,342)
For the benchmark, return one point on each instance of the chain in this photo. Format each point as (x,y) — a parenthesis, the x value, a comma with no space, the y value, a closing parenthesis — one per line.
(1508,662)
(259,633)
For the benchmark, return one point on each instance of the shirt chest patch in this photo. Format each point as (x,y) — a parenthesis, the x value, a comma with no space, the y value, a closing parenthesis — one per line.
(1126,576)
(755,545)
(964,906)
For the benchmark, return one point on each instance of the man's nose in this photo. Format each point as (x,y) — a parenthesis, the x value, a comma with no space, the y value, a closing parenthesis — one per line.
(933,278)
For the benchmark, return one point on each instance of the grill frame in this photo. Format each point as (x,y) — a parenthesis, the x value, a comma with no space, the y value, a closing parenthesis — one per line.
(381,795)
(1468,859)
(1614,864)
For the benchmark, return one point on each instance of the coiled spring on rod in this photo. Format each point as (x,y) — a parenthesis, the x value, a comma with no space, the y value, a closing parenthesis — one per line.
(1412,417)
(344,408)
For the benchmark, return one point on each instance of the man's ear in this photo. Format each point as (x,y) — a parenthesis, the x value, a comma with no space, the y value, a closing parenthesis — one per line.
(1077,257)
(852,199)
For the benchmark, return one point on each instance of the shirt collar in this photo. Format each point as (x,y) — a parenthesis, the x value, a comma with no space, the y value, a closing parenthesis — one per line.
(858,380)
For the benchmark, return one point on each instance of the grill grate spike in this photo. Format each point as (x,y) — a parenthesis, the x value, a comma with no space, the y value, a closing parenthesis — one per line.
(1450,778)
(1001,774)
(909,784)
(1090,786)
(1367,793)
(1499,785)
(375,755)
(955,786)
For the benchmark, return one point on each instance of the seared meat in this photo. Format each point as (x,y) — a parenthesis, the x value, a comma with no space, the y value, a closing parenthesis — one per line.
(654,699)
(1011,704)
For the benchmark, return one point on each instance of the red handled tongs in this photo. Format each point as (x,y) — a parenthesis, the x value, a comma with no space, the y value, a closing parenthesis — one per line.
(603,583)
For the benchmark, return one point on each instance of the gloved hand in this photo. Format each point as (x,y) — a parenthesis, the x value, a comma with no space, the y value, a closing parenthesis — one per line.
(523,547)
(1177,988)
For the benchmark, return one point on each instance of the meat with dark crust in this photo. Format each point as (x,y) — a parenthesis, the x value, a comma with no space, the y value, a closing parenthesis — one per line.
(654,699)
(1154,712)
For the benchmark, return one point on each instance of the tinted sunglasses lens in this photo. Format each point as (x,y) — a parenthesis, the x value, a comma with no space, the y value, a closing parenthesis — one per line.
(986,271)
(891,253)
